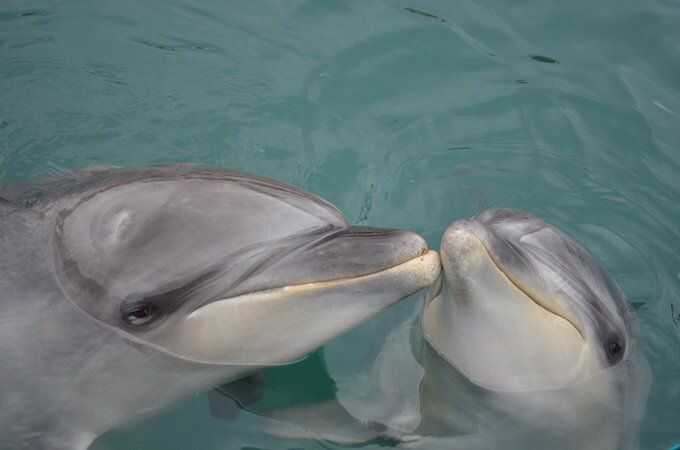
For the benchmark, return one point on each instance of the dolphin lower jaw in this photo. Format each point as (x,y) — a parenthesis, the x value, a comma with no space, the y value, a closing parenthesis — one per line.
(281,325)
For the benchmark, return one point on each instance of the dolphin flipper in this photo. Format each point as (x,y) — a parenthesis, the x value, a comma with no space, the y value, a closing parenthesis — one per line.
(298,409)
(380,380)
(357,397)
(638,305)
(226,400)
(325,421)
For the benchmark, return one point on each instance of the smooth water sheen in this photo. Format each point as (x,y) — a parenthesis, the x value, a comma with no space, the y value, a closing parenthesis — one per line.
(406,114)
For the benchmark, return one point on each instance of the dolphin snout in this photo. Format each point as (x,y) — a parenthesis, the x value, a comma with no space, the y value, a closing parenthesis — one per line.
(462,250)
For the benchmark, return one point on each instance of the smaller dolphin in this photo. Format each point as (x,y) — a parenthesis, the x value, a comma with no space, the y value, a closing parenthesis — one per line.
(538,335)
(125,290)
(524,342)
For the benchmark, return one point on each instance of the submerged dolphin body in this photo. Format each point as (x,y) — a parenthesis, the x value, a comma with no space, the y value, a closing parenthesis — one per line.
(525,342)
(124,290)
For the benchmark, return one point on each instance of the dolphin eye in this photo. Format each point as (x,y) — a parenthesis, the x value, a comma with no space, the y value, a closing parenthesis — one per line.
(138,314)
(614,351)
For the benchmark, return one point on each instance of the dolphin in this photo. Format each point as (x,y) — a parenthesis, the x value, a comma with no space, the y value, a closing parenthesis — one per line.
(523,342)
(533,331)
(125,290)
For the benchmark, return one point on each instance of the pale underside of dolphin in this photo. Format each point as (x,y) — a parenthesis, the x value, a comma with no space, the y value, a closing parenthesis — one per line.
(525,342)
(125,290)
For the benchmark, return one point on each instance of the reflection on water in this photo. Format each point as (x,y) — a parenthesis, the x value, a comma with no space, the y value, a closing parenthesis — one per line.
(402,114)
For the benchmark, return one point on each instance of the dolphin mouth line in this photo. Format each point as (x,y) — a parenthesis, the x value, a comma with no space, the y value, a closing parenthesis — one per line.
(423,272)
(515,283)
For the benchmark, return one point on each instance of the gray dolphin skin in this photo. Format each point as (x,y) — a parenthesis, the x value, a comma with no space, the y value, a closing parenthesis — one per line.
(125,290)
(524,342)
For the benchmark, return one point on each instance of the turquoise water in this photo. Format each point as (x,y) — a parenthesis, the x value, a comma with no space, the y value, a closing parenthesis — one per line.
(403,114)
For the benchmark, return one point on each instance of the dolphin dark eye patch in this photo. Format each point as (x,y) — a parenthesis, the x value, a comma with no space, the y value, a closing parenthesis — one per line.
(614,351)
(138,313)
(143,312)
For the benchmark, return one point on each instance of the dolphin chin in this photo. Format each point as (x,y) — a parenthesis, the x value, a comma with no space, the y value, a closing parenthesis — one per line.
(126,290)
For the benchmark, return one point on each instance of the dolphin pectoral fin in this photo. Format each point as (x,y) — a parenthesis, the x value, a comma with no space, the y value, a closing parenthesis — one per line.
(637,305)
(294,409)
(222,406)
(465,442)
(328,421)
(273,388)
(226,400)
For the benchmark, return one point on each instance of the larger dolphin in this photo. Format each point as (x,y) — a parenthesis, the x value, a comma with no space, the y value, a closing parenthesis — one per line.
(525,342)
(124,290)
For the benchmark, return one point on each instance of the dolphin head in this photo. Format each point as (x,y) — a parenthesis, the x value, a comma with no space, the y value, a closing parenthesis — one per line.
(525,307)
(226,269)
(543,344)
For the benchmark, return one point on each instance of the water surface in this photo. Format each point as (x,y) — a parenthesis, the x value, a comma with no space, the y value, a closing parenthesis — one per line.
(403,114)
